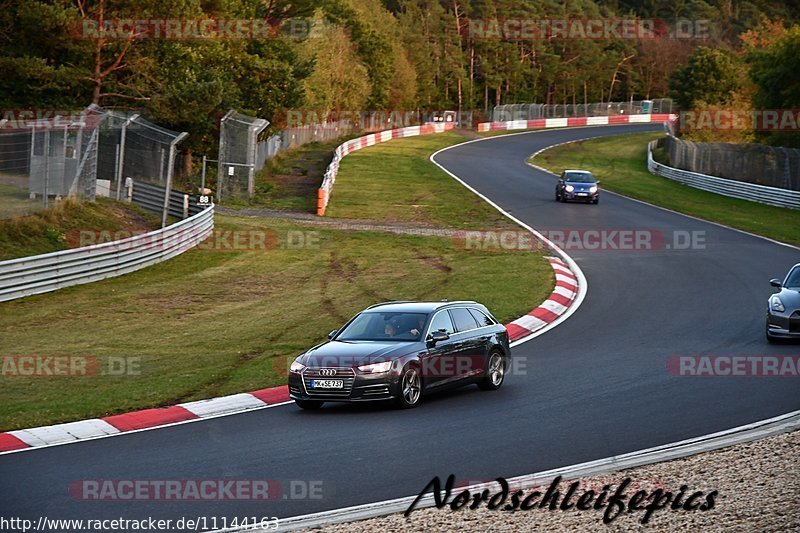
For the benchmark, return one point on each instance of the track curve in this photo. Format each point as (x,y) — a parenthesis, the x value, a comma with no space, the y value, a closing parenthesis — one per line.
(595,386)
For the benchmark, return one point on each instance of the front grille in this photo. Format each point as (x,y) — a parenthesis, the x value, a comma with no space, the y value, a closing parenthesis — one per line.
(794,322)
(347,375)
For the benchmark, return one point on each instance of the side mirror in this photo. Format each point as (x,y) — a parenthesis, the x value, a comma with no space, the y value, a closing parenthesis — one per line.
(437,336)
(332,334)
(775,282)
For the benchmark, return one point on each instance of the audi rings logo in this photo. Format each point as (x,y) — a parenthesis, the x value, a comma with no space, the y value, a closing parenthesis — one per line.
(327,372)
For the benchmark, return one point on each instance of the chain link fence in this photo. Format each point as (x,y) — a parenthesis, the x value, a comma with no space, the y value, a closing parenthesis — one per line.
(80,155)
(302,135)
(238,154)
(243,151)
(42,159)
(753,163)
(509,112)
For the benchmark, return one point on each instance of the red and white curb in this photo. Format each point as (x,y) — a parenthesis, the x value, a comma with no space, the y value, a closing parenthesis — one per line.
(568,294)
(556,304)
(542,123)
(24,439)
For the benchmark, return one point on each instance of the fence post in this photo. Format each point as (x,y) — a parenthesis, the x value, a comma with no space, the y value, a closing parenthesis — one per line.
(203,174)
(121,163)
(170,168)
(222,154)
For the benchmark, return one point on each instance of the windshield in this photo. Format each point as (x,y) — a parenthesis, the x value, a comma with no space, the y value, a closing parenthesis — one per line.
(793,279)
(579,177)
(376,326)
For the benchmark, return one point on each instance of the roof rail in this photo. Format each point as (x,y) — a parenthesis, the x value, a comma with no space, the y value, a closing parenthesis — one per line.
(392,302)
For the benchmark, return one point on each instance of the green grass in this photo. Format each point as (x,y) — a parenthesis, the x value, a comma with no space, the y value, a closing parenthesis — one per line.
(395,181)
(289,181)
(59,226)
(620,163)
(15,202)
(209,323)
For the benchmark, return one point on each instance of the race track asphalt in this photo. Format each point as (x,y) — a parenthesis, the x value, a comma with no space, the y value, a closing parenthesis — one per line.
(593,387)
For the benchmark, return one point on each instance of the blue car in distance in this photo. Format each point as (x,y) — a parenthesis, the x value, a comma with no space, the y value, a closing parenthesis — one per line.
(577,185)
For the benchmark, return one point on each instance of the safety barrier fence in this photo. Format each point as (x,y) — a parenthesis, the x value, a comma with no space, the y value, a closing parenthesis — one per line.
(541,123)
(151,198)
(726,187)
(324,192)
(49,272)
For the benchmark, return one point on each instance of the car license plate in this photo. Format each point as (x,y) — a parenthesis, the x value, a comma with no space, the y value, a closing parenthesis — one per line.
(583,194)
(327,384)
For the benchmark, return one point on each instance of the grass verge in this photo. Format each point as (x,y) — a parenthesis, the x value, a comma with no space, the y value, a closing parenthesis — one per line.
(289,181)
(15,201)
(395,182)
(217,321)
(620,163)
(58,227)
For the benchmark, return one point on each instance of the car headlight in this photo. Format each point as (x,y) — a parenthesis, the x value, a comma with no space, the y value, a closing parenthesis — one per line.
(376,368)
(593,189)
(569,188)
(296,366)
(776,304)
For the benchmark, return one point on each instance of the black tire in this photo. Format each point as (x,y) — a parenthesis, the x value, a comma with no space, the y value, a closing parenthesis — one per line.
(311,405)
(410,388)
(557,198)
(596,201)
(495,372)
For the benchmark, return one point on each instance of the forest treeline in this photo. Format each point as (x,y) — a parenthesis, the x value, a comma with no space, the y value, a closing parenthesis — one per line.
(328,55)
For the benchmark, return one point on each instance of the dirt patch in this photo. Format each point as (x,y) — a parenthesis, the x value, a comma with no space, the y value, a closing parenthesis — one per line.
(435,262)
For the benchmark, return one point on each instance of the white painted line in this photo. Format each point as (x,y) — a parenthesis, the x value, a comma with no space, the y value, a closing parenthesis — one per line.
(581,279)
(224,404)
(41,444)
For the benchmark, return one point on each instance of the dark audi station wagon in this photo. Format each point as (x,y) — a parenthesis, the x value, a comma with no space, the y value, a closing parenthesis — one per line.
(399,351)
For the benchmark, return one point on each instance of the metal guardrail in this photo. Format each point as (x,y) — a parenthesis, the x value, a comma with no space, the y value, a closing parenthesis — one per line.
(49,272)
(151,198)
(726,187)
